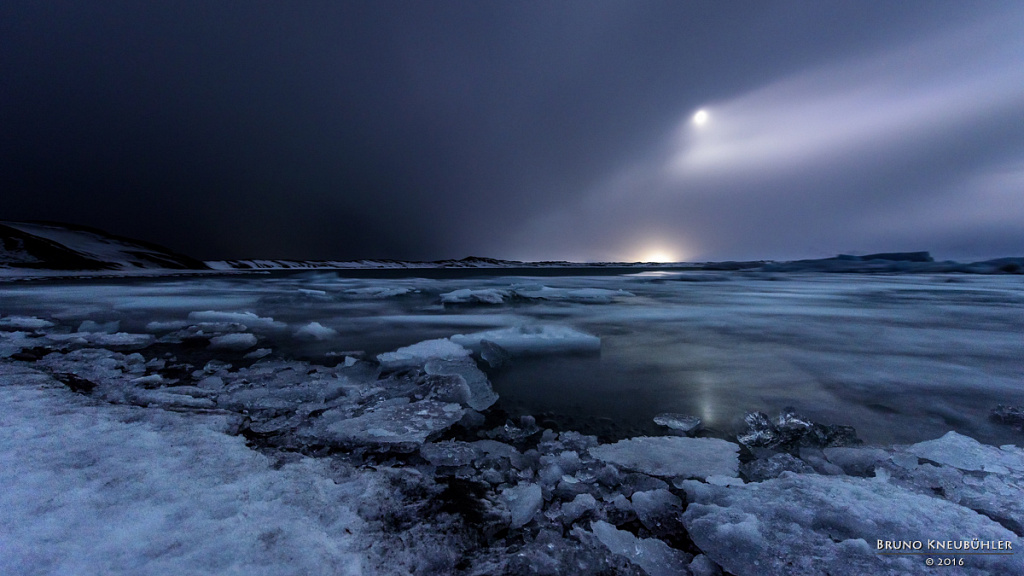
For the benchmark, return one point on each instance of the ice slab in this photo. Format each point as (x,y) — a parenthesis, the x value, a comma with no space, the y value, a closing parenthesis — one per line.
(656,509)
(582,295)
(470,296)
(529,340)
(242,341)
(652,555)
(377,292)
(24,323)
(811,524)
(966,453)
(523,501)
(249,319)
(93,326)
(681,422)
(411,423)
(418,354)
(481,395)
(672,456)
(120,339)
(450,453)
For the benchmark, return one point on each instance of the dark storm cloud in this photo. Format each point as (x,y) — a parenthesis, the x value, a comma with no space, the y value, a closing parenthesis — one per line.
(429,130)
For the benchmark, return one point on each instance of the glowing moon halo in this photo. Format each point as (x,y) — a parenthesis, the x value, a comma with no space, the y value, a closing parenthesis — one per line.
(700,118)
(659,256)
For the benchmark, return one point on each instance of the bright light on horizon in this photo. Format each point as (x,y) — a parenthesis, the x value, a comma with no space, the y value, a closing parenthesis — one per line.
(658,255)
(700,118)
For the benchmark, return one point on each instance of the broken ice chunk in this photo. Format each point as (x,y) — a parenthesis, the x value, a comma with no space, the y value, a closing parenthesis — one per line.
(672,456)
(377,292)
(315,331)
(1009,415)
(120,339)
(523,501)
(580,505)
(657,509)
(247,318)
(967,453)
(701,565)
(481,395)
(392,424)
(418,354)
(494,355)
(238,342)
(856,461)
(654,556)
(144,397)
(774,466)
(24,323)
(583,295)
(792,431)
(469,296)
(258,353)
(450,453)
(688,425)
(805,525)
(106,327)
(533,340)
(159,326)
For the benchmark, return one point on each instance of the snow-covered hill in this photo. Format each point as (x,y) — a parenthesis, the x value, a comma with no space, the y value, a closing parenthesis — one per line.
(54,246)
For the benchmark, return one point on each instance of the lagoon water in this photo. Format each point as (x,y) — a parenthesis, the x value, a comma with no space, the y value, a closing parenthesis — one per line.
(902,358)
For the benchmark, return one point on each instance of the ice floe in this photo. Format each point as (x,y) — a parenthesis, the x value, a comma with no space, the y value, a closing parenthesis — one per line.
(534,339)
(672,456)
(315,331)
(24,323)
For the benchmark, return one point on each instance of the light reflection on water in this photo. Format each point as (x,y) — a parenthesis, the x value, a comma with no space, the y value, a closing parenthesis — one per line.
(901,358)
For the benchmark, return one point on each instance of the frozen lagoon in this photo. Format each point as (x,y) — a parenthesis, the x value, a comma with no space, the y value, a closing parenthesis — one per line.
(904,359)
(900,358)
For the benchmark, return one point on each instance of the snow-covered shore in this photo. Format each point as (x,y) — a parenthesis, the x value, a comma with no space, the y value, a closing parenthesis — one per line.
(166,428)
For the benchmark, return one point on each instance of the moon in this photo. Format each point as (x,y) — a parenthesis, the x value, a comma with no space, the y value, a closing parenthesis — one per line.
(700,118)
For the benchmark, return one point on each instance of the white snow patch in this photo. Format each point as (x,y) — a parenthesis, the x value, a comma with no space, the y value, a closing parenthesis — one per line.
(113,490)
(803,525)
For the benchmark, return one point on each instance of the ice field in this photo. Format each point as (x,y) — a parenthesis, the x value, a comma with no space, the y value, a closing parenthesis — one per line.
(313,423)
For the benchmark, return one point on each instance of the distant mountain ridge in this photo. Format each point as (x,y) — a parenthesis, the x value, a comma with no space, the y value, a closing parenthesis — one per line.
(59,246)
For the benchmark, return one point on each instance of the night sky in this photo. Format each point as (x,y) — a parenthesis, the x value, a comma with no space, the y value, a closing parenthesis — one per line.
(583,131)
